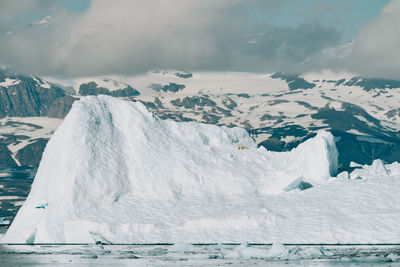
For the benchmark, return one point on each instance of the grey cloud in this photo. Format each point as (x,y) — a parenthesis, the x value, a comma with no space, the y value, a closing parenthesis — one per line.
(375,51)
(10,8)
(294,44)
(126,37)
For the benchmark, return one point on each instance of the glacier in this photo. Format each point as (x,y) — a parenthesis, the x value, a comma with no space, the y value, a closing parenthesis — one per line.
(113,172)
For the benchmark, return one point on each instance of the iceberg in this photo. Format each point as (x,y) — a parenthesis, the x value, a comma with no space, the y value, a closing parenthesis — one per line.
(115,173)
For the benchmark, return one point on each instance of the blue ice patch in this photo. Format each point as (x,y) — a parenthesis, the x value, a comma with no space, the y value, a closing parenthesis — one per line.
(42,206)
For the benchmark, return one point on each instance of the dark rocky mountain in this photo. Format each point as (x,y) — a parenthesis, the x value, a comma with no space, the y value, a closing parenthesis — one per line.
(294,81)
(91,88)
(369,84)
(30,155)
(26,96)
(171,87)
(184,74)
(6,161)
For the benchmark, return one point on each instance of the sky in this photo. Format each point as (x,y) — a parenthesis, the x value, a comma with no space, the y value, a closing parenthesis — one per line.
(70,38)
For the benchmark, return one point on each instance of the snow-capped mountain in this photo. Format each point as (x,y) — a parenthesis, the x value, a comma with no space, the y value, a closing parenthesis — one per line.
(30,96)
(279,110)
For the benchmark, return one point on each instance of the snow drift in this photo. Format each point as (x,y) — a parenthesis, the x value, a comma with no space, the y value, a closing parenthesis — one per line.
(114,172)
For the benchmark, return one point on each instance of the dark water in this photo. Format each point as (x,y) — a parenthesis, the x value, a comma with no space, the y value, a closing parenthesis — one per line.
(197,255)
(15,184)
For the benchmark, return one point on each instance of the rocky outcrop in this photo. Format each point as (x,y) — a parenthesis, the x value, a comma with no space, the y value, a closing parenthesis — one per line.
(31,154)
(294,81)
(60,107)
(91,88)
(6,161)
(27,98)
(171,87)
(192,102)
(184,74)
(373,83)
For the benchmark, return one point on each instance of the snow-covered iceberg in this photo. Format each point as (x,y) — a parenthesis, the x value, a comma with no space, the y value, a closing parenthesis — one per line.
(114,172)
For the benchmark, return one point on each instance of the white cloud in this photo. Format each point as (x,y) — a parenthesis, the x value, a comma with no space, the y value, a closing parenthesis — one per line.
(375,51)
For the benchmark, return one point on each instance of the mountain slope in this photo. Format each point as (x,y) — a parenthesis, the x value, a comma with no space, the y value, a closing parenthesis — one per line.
(27,96)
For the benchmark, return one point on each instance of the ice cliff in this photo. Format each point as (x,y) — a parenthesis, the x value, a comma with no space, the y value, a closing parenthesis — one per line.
(113,172)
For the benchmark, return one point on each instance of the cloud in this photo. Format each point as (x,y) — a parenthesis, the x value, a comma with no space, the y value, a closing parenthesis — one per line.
(120,36)
(137,35)
(375,51)
(14,13)
(131,36)
(286,48)
(10,8)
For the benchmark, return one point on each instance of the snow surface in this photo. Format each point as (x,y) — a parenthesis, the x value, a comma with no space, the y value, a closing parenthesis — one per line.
(42,83)
(45,20)
(102,82)
(262,90)
(27,130)
(8,82)
(125,176)
(110,84)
